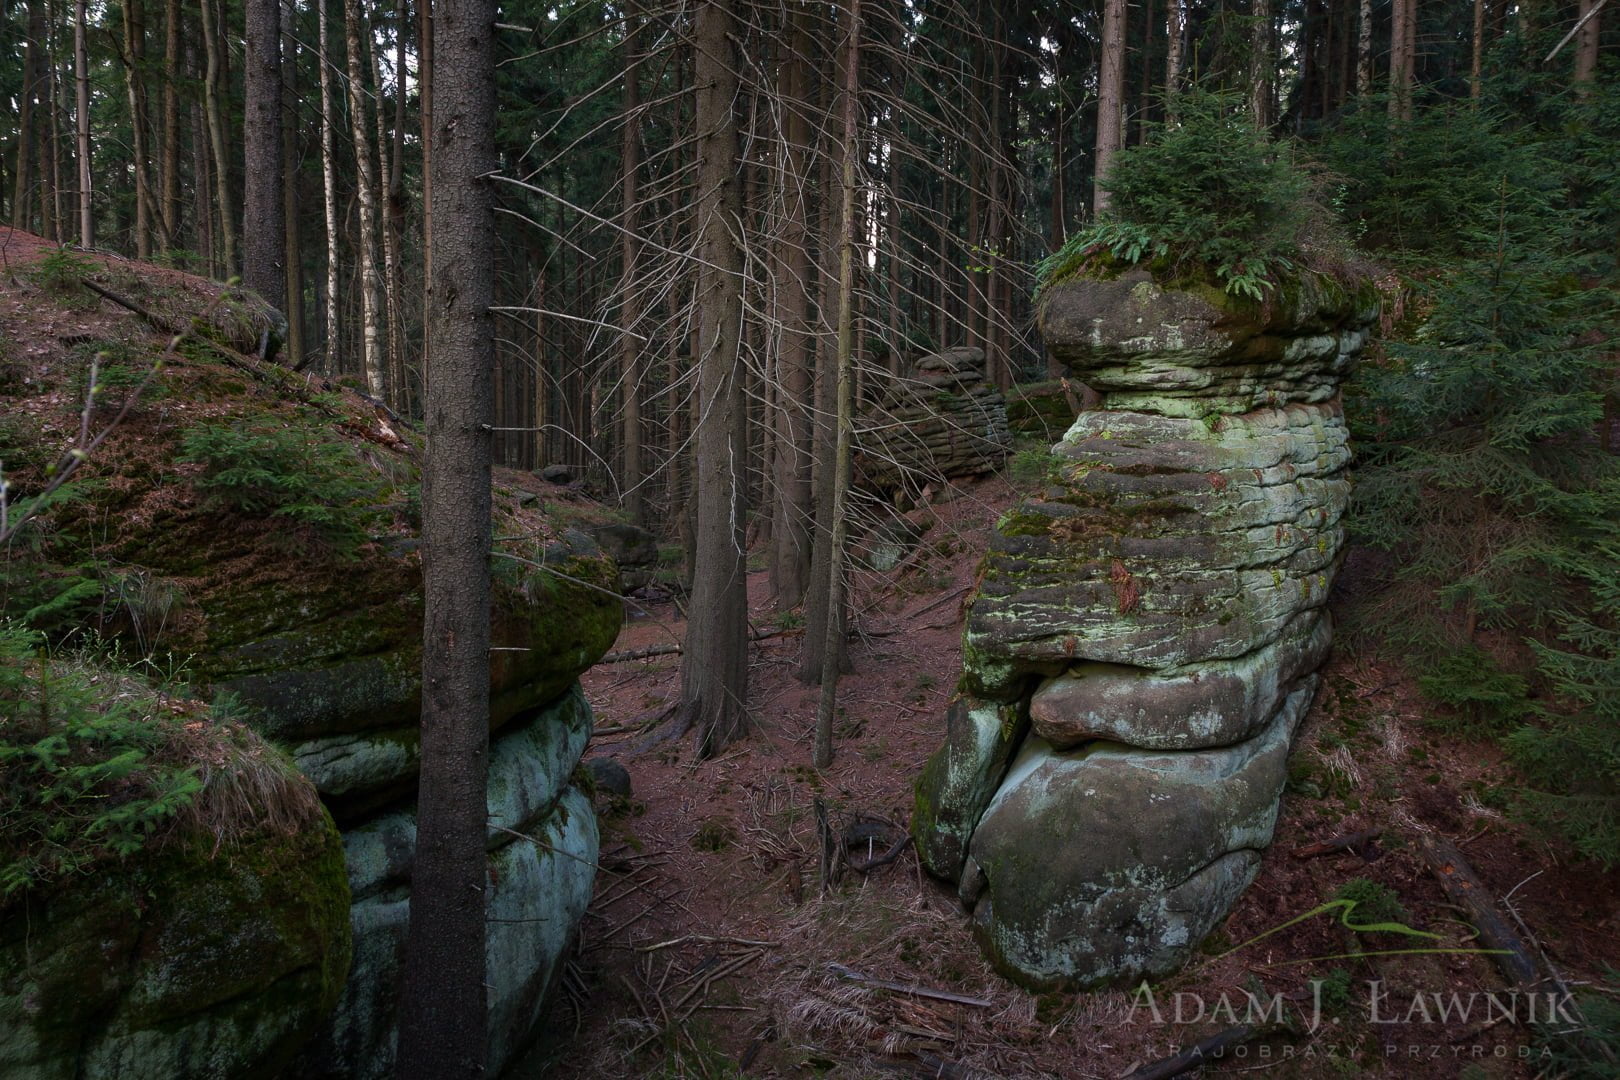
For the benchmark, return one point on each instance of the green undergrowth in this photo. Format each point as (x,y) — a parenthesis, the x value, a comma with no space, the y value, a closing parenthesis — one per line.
(291,470)
(96,766)
(1207,199)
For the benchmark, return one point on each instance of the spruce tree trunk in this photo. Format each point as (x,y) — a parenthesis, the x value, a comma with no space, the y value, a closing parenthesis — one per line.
(633,500)
(443,1015)
(1403,31)
(294,351)
(834,629)
(1175,32)
(134,57)
(424,108)
(1260,63)
(714,669)
(22,198)
(392,279)
(1587,40)
(1110,96)
(264,227)
(81,74)
(169,160)
(1364,56)
(220,163)
(794,502)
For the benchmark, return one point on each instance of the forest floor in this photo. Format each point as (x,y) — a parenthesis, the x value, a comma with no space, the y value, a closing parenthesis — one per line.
(712,948)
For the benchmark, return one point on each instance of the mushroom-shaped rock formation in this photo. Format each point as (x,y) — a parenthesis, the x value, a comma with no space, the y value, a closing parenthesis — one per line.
(1147,629)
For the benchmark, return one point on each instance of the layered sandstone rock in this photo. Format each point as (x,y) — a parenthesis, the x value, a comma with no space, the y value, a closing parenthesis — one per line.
(940,420)
(1145,635)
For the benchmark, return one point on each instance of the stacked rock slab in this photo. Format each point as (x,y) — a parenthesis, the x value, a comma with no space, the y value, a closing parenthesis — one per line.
(542,834)
(938,421)
(1148,626)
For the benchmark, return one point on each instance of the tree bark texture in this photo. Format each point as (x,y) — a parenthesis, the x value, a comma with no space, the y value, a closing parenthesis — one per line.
(365,171)
(794,502)
(443,1022)
(845,412)
(714,669)
(219,163)
(1110,97)
(264,239)
(81,73)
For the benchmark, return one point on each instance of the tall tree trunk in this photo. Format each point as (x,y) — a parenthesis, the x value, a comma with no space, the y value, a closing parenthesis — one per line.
(1479,49)
(633,499)
(202,185)
(58,109)
(81,78)
(824,429)
(1587,41)
(1401,52)
(424,108)
(794,505)
(1364,53)
(1260,63)
(289,190)
(392,279)
(366,194)
(329,193)
(443,1016)
(714,669)
(1145,94)
(264,227)
(1110,97)
(845,414)
(22,199)
(212,89)
(134,57)
(1175,34)
(395,223)
(1060,219)
(169,159)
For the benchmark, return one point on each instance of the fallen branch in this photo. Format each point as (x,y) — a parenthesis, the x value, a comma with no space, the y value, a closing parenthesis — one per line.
(937,603)
(1356,842)
(1464,889)
(868,865)
(907,988)
(707,940)
(161,325)
(626,655)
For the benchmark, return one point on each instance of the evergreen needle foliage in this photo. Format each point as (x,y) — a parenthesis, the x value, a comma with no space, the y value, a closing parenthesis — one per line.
(1483,470)
(295,472)
(1208,197)
(96,766)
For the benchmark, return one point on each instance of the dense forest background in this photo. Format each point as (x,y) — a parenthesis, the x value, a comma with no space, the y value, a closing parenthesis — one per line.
(1465,154)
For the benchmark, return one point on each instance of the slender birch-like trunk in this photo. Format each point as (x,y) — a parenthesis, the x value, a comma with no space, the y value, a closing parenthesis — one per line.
(366,195)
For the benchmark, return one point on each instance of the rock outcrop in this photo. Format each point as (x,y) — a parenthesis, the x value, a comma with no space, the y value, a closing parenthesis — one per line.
(1146,632)
(938,421)
(211,940)
(300,597)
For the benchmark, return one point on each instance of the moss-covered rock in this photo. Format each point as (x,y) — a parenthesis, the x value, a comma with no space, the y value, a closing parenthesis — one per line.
(540,885)
(1197,349)
(1107,862)
(182,962)
(1155,611)
(1040,410)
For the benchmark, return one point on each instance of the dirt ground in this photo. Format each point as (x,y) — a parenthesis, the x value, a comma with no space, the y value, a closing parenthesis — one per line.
(712,948)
